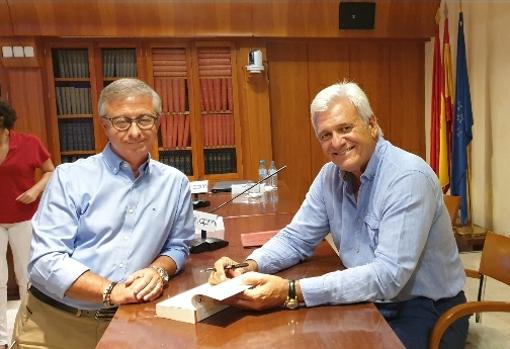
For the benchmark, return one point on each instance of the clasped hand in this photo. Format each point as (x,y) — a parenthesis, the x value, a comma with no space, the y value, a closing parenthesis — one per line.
(266,291)
(142,286)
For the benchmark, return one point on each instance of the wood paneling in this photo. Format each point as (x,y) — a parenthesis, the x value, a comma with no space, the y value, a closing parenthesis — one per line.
(254,111)
(407,94)
(290,121)
(370,68)
(27,99)
(5,20)
(201,18)
(391,73)
(328,64)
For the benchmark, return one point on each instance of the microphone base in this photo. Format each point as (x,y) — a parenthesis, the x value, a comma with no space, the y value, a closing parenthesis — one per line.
(200,203)
(207,244)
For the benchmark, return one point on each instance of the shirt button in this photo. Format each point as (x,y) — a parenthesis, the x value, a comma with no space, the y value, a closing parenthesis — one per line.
(121,265)
(130,210)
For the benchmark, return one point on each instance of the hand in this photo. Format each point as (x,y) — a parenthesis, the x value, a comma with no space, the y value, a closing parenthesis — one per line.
(28,197)
(146,284)
(267,291)
(221,274)
(122,295)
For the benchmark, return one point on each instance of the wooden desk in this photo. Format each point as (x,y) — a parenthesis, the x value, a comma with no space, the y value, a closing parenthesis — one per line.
(346,326)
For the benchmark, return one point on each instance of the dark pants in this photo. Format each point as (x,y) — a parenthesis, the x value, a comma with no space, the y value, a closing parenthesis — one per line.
(413,321)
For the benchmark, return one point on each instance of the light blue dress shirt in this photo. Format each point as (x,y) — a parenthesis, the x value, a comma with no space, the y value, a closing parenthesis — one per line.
(395,240)
(94,215)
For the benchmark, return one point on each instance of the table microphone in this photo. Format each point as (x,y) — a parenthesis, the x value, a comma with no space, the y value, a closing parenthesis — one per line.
(204,243)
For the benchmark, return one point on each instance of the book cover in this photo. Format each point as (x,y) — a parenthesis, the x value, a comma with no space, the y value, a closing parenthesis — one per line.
(200,302)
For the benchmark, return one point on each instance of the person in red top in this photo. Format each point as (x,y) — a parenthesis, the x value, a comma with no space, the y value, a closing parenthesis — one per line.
(20,156)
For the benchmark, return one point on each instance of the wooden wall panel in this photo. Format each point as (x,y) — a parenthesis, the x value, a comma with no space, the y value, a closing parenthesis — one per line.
(27,99)
(391,73)
(407,89)
(290,122)
(254,111)
(5,20)
(370,68)
(201,18)
(328,63)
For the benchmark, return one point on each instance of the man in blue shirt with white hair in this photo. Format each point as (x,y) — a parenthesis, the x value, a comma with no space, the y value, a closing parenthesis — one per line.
(385,211)
(110,229)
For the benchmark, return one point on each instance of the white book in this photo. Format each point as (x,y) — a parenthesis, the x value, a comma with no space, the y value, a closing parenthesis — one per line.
(200,302)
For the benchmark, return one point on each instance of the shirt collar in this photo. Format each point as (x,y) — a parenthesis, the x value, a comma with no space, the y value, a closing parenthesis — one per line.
(116,163)
(375,159)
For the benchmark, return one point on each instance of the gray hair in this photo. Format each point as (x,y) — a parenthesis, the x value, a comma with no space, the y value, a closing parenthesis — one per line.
(124,88)
(328,97)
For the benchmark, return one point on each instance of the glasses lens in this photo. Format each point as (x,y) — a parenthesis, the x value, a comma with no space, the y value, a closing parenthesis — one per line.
(145,122)
(121,123)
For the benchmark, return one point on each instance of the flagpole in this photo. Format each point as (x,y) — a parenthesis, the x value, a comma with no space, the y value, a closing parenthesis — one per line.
(468,183)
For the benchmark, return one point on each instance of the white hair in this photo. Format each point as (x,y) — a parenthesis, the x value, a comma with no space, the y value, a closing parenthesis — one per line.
(328,97)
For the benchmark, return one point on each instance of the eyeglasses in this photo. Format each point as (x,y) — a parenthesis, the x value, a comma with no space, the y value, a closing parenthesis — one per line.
(123,123)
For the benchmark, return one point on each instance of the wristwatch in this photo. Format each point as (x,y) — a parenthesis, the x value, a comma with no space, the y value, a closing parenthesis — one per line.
(291,302)
(162,274)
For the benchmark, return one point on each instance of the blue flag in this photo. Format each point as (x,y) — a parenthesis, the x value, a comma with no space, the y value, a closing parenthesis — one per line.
(463,121)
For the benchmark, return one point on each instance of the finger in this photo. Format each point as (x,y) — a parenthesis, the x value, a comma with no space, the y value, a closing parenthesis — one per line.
(155,292)
(142,289)
(219,275)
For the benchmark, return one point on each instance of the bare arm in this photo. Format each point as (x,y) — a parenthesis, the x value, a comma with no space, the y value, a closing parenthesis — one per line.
(33,193)
(143,285)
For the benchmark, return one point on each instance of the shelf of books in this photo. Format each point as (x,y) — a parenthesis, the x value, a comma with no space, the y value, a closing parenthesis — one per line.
(170,73)
(73,103)
(118,63)
(216,109)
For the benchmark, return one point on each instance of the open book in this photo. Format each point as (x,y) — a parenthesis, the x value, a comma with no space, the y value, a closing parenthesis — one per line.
(200,302)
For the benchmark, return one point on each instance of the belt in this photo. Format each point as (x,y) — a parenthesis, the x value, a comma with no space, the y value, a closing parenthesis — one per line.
(103,313)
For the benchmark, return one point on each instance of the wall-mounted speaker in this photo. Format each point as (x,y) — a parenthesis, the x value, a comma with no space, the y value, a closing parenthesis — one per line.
(356,15)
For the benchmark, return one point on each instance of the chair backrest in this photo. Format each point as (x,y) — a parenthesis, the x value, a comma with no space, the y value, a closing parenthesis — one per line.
(452,203)
(495,261)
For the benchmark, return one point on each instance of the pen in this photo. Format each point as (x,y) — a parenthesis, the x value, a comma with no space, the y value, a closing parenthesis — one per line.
(230,266)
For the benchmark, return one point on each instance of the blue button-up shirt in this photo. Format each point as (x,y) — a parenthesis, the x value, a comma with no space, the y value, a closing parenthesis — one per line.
(94,215)
(395,238)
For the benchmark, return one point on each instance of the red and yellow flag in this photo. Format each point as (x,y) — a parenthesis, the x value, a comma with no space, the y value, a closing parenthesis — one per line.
(446,115)
(436,107)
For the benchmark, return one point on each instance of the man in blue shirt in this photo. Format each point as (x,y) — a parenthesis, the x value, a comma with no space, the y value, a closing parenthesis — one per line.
(385,211)
(109,230)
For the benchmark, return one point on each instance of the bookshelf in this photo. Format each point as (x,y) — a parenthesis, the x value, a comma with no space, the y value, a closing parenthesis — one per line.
(199,131)
(73,102)
(198,122)
(217,109)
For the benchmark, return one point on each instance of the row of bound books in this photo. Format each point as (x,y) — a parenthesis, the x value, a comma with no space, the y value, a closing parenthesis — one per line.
(76,135)
(181,160)
(73,100)
(174,131)
(218,129)
(216,94)
(119,62)
(173,93)
(220,160)
(71,63)
(72,158)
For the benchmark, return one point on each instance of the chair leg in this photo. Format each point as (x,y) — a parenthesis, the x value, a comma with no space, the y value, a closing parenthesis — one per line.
(481,295)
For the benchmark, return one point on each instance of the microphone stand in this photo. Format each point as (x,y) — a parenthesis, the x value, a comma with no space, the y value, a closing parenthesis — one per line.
(204,243)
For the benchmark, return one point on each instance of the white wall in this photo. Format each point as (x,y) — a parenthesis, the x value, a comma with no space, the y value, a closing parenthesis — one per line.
(487,39)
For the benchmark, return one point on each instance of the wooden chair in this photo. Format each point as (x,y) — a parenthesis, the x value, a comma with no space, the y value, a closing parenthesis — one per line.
(495,263)
(452,203)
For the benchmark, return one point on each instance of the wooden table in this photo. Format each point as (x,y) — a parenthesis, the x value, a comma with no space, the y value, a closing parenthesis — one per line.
(345,326)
